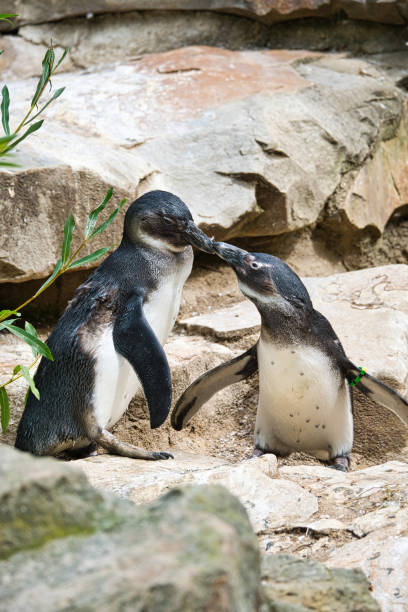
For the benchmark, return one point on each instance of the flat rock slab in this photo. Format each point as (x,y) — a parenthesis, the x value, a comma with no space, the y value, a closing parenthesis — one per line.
(226,323)
(278,502)
(270,11)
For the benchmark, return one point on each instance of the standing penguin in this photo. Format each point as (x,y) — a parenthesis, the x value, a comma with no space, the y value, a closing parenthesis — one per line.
(305,401)
(108,343)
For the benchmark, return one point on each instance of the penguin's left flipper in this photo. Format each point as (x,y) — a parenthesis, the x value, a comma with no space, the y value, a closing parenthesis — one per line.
(209,383)
(379,392)
(134,339)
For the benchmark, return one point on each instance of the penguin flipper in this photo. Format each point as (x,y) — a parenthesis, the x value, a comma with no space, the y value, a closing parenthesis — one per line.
(379,392)
(135,340)
(209,383)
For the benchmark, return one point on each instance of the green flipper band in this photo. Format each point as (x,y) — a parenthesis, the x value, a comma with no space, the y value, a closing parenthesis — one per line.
(358,378)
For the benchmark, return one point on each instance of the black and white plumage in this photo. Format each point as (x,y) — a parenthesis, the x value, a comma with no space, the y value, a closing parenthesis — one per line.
(108,343)
(305,401)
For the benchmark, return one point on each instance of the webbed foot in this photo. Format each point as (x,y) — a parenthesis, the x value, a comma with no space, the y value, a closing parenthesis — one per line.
(341,463)
(161,455)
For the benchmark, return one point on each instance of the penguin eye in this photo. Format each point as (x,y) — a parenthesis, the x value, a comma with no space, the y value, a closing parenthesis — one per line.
(254,265)
(167,220)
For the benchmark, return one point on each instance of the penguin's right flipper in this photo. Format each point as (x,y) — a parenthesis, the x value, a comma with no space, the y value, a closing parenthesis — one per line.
(135,340)
(209,383)
(380,393)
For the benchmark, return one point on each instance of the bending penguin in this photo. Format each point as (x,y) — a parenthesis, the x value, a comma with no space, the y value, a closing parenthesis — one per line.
(305,401)
(108,342)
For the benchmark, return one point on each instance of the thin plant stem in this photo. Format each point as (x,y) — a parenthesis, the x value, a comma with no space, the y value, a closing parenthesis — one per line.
(20,374)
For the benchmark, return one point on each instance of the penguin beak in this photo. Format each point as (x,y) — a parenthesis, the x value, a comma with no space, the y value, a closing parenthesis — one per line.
(231,254)
(194,236)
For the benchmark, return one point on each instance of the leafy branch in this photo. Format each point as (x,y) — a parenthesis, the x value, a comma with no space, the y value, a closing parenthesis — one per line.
(10,139)
(66,262)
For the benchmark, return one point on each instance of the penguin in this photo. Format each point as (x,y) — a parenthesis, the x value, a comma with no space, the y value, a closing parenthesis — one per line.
(107,344)
(305,377)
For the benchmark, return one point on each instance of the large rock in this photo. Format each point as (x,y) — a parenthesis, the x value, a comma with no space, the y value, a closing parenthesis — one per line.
(191,550)
(285,141)
(271,11)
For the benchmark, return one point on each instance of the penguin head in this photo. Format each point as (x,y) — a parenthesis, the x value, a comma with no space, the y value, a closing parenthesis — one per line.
(160,220)
(265,279)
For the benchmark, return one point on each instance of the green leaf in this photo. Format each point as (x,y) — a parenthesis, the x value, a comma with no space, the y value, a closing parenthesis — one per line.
(16,370)
(4,141)
(93,216)
(1,51)
(31,330)
(6,17)
(47,64)
(103,226)
(61,59)
(31,129)
(8,164)
(49,280)
(66,243)
(5,409)
(31,340)
(88,258)
(3,323)
(26,373)
(26,396)
(54,97)
(5,103)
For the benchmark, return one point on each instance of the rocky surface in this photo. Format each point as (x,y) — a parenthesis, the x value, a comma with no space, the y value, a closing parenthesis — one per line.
(192,549)
(270,11)
(260,110)
(354,520)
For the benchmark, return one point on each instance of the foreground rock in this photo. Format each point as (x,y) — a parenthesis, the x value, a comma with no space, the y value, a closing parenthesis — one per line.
(306,142)
(193,549)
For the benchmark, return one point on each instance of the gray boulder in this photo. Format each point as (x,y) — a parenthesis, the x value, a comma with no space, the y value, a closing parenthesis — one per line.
(70,547)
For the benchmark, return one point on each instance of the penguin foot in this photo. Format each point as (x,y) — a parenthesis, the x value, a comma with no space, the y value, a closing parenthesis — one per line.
(341,463)
(161,455)
(257,452)
(110,443)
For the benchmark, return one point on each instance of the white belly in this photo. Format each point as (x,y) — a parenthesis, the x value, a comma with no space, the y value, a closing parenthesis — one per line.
(303,403)
(115,380)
